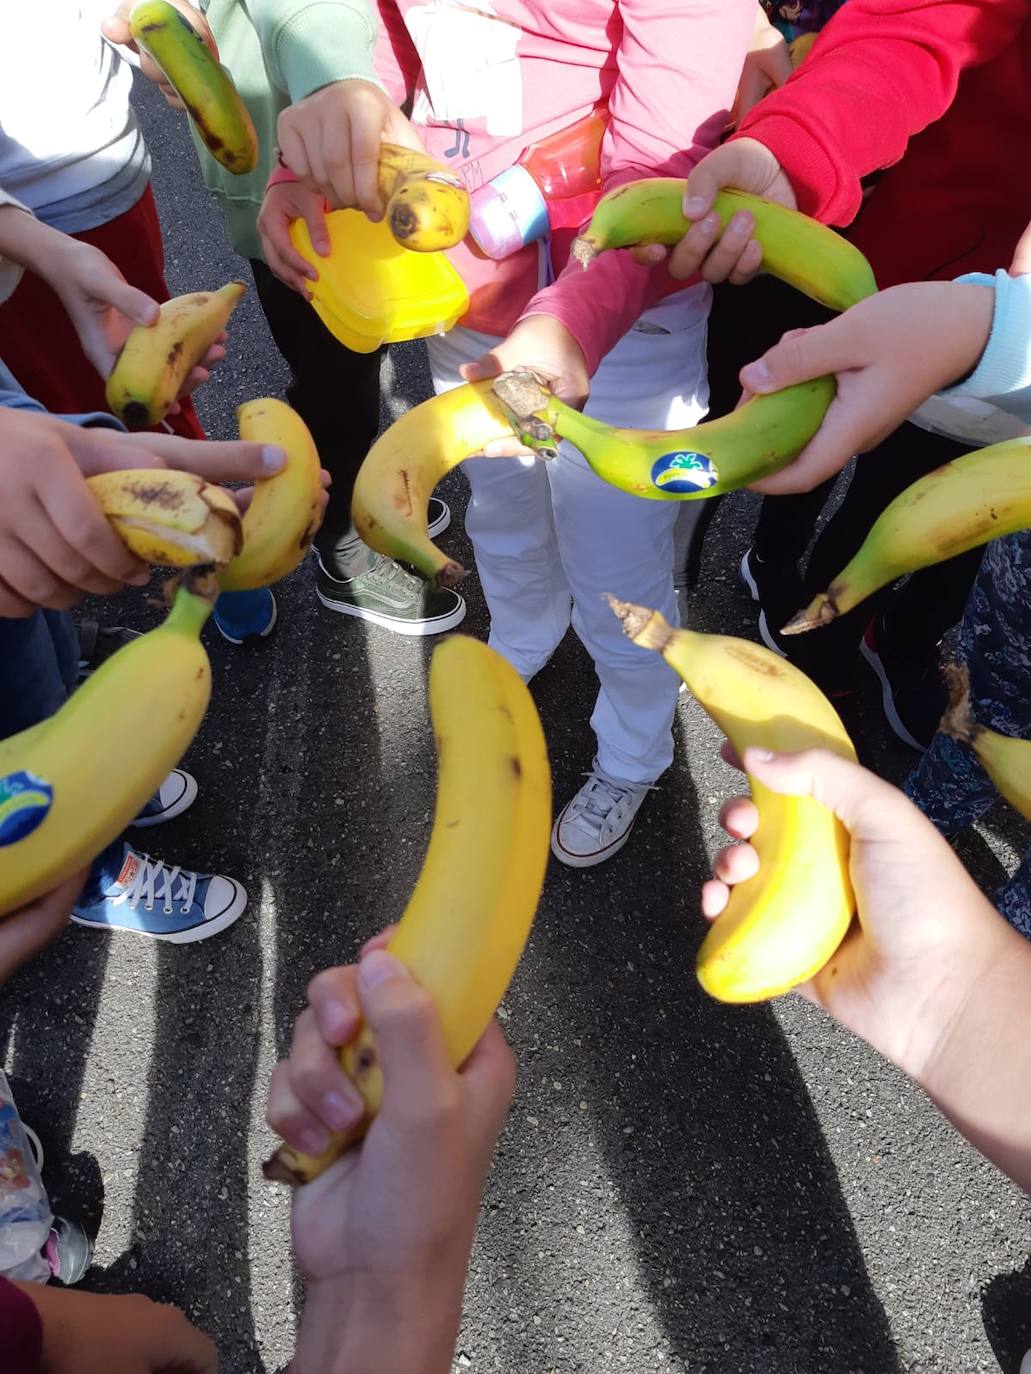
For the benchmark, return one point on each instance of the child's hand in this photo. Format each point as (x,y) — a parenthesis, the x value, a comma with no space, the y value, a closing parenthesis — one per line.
(383,1237)
(331,139)
(125,1333)
(284,202)
(924,931)
(55,543)
(543,344)
(767,66)
(734,255)
(116,30)
(890,353)
(24,932)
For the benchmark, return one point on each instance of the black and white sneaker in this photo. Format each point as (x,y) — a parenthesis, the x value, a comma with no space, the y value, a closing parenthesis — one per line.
(438,515)
(98,642)
(913,693)
(777,587)
(389,596)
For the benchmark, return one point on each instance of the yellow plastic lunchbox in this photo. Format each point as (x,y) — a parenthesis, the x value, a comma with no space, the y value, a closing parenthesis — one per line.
(371,291)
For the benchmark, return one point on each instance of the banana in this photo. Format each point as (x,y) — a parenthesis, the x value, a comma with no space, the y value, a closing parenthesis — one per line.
(170,519)
(155,360)
(204,86)
(54,818)
(802,252)
(958,506)
(426,206)
(674,465)
(406,462)
(470,914)
(780,927)
(800,48)
(1007,761)
(284,512)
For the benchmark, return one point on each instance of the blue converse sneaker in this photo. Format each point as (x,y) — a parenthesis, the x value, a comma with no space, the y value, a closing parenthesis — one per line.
(176,793)
(129,890)
(245,615)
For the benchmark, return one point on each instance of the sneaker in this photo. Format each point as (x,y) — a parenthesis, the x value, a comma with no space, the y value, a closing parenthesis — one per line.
(387,595)
(98,642)
(68,1251)
(176,793)
(438,516)
(597,822)
(777,587)
(245,615)
(193,906)
(913,694)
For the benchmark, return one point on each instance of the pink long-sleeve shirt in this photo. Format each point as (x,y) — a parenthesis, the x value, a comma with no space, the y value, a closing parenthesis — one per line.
(489,77)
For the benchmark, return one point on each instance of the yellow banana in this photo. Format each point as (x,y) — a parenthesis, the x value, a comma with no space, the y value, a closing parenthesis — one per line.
(674,465)
(394,484)
(426,206)
(284,512)
(54,818)
(958,506)
(170,519)
(800,48)
(470,915)
(204,86)
(802,252)
(780,927)
(156,360)
(1006,760)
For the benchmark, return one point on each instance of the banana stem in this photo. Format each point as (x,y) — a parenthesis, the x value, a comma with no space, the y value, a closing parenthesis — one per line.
(194,601)
(958,722)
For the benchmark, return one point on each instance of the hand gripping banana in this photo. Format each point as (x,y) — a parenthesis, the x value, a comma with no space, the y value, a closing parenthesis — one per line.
(958,506)
(203,85)
(780,927)
(1006,760)
(766,434)
(396,481)
(799,250)
(170,519)
(471,912)
(53,817)
(426,206)
(283,516)
(155,360)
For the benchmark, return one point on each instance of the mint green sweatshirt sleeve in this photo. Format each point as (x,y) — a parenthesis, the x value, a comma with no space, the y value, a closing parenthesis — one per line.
(309,45)
(1003,374)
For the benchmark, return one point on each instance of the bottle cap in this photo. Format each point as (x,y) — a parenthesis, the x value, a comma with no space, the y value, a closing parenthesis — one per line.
(507,213)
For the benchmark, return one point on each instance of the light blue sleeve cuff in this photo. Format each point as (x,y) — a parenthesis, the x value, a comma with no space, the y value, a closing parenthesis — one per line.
(1004,371)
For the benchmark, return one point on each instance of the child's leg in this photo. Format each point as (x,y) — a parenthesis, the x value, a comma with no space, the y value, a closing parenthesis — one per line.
(40,344)
(612,542)
(39,661)
(509,521)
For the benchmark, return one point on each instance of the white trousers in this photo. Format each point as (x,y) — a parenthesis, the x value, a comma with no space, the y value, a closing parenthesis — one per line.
(551,538)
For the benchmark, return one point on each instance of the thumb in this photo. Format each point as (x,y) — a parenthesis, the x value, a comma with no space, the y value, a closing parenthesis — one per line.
(135,304)
(868,807)
(116,28)
(489,365)
(410,1042)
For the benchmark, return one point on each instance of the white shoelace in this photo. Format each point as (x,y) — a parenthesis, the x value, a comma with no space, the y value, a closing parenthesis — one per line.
(596,802)
(154,881)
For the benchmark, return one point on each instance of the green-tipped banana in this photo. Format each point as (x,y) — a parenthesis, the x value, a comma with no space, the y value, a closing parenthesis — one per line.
(205,87)
(766,434)
(958,506)
(799,250)
(1007,761)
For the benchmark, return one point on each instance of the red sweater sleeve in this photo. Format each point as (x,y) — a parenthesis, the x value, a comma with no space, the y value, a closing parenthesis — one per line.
(22,1331)
(881,71)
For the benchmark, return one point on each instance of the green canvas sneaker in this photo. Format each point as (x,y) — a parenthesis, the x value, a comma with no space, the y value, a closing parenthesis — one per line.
(386,594)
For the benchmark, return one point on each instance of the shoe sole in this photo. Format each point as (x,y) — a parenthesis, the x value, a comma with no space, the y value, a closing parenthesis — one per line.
(181,937)
(177,809)
(887,701)
(439,526)
(744,572)
(586,860)
(401,627)
(261,634)
(766,635)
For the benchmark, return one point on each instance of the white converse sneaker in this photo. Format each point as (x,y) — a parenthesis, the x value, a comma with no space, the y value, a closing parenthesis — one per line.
(597,822)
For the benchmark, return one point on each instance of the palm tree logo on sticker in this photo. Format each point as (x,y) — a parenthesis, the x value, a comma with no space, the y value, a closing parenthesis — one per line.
(683,473)
(24,803)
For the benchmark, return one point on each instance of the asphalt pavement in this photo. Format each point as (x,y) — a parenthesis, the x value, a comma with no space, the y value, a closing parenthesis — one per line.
(680,1186)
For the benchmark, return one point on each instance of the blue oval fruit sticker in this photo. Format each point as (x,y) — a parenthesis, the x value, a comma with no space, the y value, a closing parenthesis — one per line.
(684,472)
(24,803)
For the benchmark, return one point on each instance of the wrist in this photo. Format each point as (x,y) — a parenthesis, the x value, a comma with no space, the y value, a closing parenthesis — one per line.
(393,1324)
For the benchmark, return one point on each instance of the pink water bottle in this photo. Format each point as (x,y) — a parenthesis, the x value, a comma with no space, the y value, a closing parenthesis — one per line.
(554,185)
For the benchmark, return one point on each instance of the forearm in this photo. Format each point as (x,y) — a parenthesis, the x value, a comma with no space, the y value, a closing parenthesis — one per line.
(28,242)
(404,1331)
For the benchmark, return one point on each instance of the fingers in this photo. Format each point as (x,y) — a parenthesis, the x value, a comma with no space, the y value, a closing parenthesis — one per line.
(490,365)
(800,356)
(739,817)
(507,448)
(13,606)
(714,898)
(649,254)
(418,1080)
(379,941)
(488,1080)
(748,265)
(31,581)
(175,1343)
(310,1096)
(226,460)
(730,755)
(736,864)
(333,998)
(364,151)
(115,290)
(318,232)
(71,535)
(280,254)
(716,255)
(703,182)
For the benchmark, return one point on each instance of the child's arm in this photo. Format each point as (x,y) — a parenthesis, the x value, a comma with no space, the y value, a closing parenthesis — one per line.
(930,974)
(383,1237)
(881,71)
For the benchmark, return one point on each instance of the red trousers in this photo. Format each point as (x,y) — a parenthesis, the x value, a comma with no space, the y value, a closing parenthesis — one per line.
(39,344)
